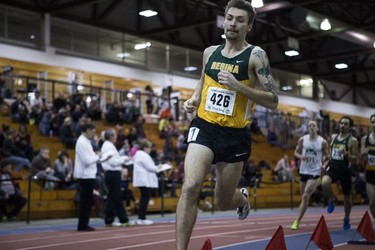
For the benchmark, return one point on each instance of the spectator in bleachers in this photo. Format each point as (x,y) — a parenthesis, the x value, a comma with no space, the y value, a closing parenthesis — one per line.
(181,145)
(20,110)
(59,102)
(273,139)
(66,133)
(76,114)
(132,136)
(82,121)
(251,175)
(113,114)
(3,130)
(93,110)
(63,169)
(139,127)
(23,142)
(45,123)
(41,167)
(166,113)
(9,192)
(121,137)
(149,99)
(9,147)
(37,104)
(283,170)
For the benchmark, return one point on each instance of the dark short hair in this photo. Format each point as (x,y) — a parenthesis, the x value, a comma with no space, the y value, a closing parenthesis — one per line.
(351,122)
(88,126)
(242,5)
(373,115)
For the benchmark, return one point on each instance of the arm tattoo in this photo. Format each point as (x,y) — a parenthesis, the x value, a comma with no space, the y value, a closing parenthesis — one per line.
(265,71)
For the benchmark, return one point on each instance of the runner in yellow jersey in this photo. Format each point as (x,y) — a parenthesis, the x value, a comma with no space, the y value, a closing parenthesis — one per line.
(224,99)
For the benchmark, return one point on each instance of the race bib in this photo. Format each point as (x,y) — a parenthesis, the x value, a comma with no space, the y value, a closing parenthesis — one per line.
(193,133)
(371,160)
(310,160)
(336,154)
(220,101)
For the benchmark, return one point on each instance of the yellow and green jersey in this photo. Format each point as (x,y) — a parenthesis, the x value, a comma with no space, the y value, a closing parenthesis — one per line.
(220,105)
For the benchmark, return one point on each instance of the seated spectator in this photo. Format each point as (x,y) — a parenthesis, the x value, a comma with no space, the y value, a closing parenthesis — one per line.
(20,110)
(94,111)
(41,167)
(9,147)
(10,193)
(59,102)
(121,137)
(63,169)
(23,142)
(254,128)
(282,170)
(251,174)
(166,113)
(36,106)
(67,135)
(44,125)
(272,139)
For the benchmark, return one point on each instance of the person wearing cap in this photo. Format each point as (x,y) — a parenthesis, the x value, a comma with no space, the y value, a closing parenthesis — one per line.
(10,194)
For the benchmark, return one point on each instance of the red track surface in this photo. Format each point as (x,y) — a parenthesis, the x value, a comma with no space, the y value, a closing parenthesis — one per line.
(222,232)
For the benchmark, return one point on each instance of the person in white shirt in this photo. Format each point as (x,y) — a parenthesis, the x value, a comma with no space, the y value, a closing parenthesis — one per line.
(113,171)
(145,178)
(85,168)
(312,150)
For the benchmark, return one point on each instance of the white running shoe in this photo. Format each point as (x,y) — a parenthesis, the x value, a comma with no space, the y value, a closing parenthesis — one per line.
(244,211)
(114,224)
(145,222)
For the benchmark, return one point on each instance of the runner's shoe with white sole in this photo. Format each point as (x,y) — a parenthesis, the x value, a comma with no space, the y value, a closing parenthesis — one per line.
(244,211)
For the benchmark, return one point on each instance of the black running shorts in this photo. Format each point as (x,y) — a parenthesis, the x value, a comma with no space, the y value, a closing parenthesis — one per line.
(229,145)
(306,177)
(343,175)
(370,176)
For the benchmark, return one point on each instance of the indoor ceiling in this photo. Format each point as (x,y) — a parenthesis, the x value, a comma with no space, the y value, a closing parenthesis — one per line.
(193,24)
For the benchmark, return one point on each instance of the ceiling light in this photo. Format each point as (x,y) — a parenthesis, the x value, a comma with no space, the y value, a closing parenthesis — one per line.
(257,3)
(190,68)
(139,46)
(341,66)
(325,24)
(287,88)
(291,52)
(148,13)
(122,55)
(32,37)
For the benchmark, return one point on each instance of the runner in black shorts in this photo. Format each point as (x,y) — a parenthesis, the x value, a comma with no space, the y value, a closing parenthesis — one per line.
(344,148)
(224,100)
(312,150)
(368,154)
